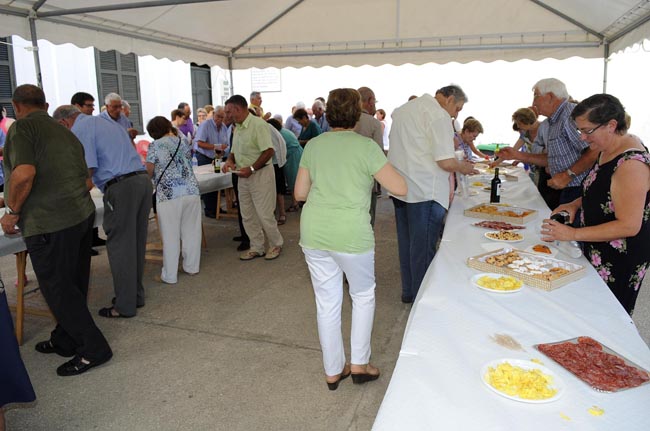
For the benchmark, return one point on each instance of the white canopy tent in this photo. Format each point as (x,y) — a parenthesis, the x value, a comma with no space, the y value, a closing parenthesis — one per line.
(239,34)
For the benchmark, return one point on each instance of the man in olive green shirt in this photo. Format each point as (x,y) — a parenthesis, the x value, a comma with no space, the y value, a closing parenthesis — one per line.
(47,197)
(252,150)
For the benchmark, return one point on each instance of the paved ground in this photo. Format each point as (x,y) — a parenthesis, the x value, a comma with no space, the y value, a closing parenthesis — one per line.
(233,348)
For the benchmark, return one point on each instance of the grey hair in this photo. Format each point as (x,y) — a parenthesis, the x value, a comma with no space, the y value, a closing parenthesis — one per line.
(300,105)
(126,104)
(319,104)
(201,110)
(552,85)
(65,111)
(453,90)
(255,94)
(219,108)
(111,97)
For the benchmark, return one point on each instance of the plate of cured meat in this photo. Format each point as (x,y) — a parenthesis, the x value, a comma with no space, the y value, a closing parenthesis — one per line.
(497,225)
(595,364)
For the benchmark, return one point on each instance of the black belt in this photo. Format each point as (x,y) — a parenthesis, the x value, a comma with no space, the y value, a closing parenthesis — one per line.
(122,177)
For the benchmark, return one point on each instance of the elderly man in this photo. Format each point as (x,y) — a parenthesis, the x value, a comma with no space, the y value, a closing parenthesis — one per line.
(256,105)
(422,151)
(370,127)
(568,157)
(84,102)
(251,155)
(318,109)
(113,111)
(211,141)
(116,170)
(47,198)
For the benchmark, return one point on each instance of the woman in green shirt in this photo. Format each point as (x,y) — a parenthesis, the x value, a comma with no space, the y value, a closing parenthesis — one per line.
(335,177)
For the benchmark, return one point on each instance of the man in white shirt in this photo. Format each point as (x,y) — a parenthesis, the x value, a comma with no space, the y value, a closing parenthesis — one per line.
(422,151)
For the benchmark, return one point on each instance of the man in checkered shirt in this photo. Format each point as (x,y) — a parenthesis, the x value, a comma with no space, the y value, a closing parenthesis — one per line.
(567,157)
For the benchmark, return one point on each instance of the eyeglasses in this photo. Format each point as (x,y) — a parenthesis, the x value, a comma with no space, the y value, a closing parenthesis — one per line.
(590,131)
(90,105)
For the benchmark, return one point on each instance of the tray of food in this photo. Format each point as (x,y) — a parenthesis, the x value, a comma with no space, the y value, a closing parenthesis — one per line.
(497,283)
(533,269)
(595,364)
(497,225)
(501,212)
(524,381)
(504,236)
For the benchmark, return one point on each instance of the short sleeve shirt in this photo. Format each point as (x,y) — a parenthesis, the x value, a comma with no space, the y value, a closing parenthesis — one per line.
(59,197)
(108,148)
(310,132)
(251,139)
(564,145)
(421,135)
(208,132)
(336,216)
(178,180)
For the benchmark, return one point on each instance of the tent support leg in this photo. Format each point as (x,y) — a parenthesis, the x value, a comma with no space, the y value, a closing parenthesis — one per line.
(605,62)
(37,60)
(232,85)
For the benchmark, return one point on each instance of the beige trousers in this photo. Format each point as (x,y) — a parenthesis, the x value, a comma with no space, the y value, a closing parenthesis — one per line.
(257,206)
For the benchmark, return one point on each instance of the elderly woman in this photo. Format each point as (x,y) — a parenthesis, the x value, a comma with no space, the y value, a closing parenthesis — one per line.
(471,129)
(177,198)
(335,177)
(615,202)
(310,128)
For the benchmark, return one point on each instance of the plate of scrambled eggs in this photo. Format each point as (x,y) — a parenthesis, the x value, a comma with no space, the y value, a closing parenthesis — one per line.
(522,380)
(497,283)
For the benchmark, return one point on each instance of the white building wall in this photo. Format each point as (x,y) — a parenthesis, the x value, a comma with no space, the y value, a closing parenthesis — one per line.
(65,70)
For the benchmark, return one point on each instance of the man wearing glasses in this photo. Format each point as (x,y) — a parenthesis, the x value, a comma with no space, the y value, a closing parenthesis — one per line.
(568,158)
(84,102)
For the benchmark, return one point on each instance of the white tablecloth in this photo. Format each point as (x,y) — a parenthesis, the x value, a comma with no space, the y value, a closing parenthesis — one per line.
(208,182)
(436,384)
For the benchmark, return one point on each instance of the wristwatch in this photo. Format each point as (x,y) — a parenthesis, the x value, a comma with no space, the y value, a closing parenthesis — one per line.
(252,169)
(10,211)
(571,174)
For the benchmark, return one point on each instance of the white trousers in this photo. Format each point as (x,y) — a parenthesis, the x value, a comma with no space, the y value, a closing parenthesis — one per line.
(180,223)
(326,269)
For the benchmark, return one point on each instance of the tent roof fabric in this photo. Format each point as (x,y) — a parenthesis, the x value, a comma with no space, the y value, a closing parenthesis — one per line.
(259,33)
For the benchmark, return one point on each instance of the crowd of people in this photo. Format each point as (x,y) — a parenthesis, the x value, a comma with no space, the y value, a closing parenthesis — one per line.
(332,161)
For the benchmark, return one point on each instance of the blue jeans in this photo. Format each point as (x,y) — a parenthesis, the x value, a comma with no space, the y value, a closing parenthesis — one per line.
(419,226)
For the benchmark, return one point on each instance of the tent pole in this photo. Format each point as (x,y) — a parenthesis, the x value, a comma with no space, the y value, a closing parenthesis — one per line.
(232,85)
(605,61)
(34,48)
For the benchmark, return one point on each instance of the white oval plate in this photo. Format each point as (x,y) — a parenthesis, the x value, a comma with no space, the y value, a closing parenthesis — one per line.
(526,365)
(475,278)
(502,240)
(554,250)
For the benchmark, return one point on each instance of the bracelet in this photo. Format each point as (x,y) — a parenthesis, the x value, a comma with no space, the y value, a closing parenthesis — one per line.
(252,169)
(11,212)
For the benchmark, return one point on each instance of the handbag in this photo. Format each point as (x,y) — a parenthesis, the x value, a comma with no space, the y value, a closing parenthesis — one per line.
(155,189)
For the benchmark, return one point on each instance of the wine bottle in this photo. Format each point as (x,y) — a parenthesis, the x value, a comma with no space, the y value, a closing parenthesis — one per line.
(495,188)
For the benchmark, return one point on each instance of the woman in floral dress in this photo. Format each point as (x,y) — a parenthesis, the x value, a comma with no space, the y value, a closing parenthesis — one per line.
(615,203)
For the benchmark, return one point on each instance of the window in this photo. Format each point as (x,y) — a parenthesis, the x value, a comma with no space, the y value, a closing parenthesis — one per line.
(7,75)
(201,87)
(118,73)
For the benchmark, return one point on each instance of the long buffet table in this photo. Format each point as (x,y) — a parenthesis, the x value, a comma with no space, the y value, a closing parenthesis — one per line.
(436,384)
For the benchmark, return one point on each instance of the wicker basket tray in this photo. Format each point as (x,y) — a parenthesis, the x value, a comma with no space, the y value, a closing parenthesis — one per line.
(503,214)
(575,271)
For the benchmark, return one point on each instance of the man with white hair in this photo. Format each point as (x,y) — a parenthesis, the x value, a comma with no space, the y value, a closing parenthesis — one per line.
(318,109)
(114,112)
(567,157)
(116,170)
(422,151)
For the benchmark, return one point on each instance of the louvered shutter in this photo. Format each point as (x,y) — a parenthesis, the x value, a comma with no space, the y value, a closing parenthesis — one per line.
(7,76)
(118,73)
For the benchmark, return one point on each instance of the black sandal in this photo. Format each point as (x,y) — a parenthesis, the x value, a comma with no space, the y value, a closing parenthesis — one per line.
(108,312)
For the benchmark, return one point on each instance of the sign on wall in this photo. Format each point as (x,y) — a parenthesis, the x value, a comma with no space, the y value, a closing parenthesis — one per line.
(266,80)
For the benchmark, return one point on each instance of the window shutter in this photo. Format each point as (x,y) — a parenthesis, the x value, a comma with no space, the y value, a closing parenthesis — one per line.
(118,73)
(201,87)
(7,75)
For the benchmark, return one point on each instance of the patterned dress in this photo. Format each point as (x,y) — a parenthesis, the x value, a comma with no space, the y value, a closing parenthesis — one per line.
(621,263)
